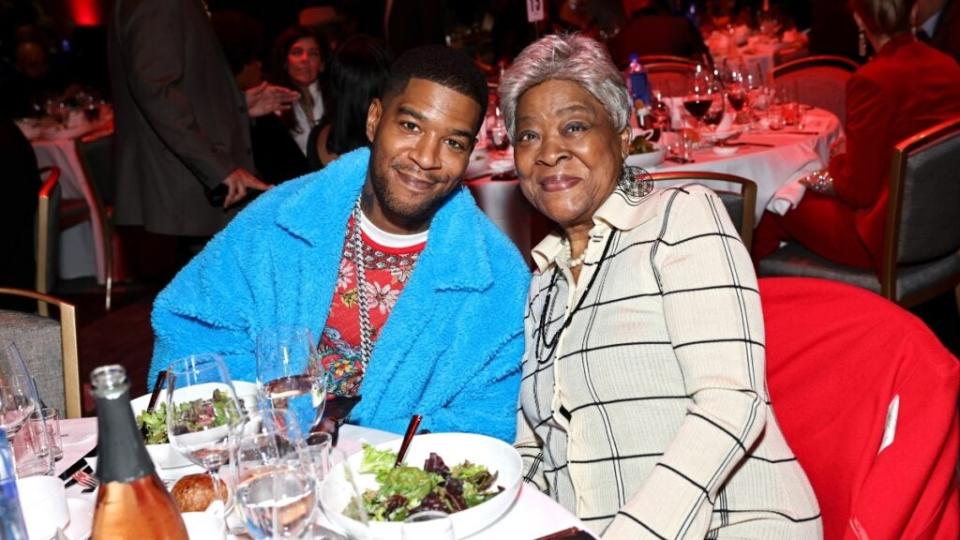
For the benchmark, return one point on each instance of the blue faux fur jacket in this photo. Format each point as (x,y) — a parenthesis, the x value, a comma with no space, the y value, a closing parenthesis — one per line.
(451,348)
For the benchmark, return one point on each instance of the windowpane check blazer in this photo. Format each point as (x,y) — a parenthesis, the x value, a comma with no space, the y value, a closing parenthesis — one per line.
(643,404)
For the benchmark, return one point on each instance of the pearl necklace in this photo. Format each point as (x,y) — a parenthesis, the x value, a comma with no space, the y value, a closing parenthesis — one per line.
(573,262)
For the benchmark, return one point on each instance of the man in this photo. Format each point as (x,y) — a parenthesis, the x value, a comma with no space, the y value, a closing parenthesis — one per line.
(438,328)
(938,24)
(181,122)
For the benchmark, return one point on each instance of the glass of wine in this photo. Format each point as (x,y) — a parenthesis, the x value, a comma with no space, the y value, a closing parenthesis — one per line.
(290,375)
(700,95)
(276,485)
(203,413)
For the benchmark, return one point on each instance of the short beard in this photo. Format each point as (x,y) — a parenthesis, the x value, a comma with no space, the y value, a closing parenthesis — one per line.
(412,218)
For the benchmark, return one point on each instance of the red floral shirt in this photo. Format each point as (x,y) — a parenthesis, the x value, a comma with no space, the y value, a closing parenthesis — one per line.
(387,270)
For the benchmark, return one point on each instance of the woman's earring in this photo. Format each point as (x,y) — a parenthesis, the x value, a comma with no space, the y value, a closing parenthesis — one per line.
(862,44)
(635,183)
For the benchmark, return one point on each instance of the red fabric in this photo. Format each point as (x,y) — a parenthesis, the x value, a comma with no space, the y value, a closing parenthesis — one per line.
(906,88)
(836,356)
(386,273)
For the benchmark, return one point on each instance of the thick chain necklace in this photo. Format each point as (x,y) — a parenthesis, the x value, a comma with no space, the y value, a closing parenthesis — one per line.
(366,332)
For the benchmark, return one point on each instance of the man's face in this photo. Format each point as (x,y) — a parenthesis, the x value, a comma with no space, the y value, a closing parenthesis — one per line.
(422,138)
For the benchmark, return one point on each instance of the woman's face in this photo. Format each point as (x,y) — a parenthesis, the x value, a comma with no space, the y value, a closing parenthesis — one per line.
(567,151)
(303,61)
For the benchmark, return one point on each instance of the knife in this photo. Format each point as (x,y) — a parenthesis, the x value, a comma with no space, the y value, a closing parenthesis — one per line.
(157,385)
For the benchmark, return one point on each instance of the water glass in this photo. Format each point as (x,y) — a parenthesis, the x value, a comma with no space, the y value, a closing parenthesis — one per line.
(290,374)
(48,418)
(428,525)
(18,393)
(31,448)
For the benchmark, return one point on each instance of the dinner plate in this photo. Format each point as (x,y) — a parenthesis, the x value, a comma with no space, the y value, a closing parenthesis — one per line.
(453,448)
(165,456)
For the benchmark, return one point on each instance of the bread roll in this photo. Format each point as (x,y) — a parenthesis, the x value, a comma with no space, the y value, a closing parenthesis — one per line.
(194,492)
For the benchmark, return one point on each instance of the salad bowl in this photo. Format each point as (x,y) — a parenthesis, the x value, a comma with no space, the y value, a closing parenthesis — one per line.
(164,455)
(498,457)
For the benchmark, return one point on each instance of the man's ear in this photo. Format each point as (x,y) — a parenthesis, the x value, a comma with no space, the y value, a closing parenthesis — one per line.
(374,114)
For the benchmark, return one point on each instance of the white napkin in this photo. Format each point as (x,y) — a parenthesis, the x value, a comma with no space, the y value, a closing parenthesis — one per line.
(787,197)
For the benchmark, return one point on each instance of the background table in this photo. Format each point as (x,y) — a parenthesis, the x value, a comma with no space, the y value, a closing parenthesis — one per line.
(532,515)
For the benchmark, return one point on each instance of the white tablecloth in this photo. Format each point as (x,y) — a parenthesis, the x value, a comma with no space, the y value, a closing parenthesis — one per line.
(531,516)
(776,170)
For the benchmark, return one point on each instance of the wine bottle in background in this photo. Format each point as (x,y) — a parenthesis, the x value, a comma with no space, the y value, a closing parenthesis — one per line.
(132,501)
(11,518)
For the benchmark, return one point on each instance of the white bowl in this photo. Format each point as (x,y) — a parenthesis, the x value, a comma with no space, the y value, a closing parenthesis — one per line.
(720,135)
(648,159)
(166,456)
(498,456)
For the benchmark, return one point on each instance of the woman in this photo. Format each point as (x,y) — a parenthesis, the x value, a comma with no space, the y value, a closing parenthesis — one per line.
(299,59)
(643,407)
(356,74)
(907,87)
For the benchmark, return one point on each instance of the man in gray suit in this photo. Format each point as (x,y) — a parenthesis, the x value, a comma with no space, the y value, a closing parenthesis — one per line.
(182,124)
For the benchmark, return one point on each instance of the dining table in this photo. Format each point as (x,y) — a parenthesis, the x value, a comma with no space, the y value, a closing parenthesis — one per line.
(81,247)
(775,160)
(532,515)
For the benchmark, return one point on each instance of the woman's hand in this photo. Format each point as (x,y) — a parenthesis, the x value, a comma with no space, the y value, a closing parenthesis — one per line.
(820,182)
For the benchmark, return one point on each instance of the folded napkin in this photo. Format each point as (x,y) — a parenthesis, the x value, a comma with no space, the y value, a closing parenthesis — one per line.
(787,197)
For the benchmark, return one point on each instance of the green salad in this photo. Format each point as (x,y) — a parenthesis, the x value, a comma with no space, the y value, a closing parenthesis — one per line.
(193,415)
(407,490)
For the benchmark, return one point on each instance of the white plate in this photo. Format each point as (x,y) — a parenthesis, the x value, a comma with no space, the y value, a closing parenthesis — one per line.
(453,448)
(81,519)
(715,136)
(166,456)
(648,159)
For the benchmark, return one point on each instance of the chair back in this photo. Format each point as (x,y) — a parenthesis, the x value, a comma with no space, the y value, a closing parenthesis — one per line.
(40,341)
(923,210)
(739,196)
(671,78)
(865,395)
(48,233)
(648,59)
(96,155)
(820,81)
(506,207)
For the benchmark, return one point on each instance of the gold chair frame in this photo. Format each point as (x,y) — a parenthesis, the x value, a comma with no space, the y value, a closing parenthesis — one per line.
(68,346)
(43,234)
(748,190)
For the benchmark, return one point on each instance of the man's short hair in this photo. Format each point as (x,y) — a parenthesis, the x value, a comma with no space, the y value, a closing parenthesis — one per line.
(445,66)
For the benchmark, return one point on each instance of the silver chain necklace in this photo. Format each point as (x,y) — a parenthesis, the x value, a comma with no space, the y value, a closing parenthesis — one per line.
(366,340)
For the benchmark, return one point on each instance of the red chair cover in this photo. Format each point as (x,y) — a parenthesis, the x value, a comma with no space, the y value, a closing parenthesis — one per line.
(836,358)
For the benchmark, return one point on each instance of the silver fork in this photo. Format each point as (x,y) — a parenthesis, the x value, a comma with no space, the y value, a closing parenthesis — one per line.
(85,479)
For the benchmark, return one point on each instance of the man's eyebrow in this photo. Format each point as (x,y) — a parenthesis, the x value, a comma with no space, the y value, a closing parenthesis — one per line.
(404,109)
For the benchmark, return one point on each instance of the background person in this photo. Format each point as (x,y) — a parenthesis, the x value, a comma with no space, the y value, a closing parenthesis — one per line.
(299,57)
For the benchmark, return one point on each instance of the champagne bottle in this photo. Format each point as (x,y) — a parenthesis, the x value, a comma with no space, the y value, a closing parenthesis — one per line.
(132,501)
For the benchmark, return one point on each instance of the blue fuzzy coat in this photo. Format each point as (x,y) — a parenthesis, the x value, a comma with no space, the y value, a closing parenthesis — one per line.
(451,349)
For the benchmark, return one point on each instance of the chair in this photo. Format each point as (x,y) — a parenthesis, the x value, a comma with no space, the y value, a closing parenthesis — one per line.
(660,58)
(48,226)
(506,207)
(671,78)
(96,158)
(740,204)
(921,242)
(41,339)
(865,396)
(821,81)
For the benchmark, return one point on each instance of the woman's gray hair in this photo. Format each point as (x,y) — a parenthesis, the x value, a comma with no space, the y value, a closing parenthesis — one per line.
(572,58)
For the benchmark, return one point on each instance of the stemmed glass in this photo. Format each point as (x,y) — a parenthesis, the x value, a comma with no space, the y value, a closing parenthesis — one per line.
(276,480)
(203,413)
(290,375)
(18,395)
(702,93)
(736,87)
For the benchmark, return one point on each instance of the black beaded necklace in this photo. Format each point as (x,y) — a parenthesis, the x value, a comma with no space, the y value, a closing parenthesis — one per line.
(544,345)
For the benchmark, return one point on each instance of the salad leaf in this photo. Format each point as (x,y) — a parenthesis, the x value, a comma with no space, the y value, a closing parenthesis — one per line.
(376,461)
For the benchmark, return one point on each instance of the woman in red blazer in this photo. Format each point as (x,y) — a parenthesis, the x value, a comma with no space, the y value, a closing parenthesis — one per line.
(907,87)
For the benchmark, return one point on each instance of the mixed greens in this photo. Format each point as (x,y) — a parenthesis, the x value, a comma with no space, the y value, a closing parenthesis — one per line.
(406,490)
(192,416)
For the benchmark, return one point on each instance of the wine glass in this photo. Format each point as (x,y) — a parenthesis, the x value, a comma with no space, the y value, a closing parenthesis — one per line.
(18,394)
(203,413)
(290,374)
(701,93)
(276,483)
